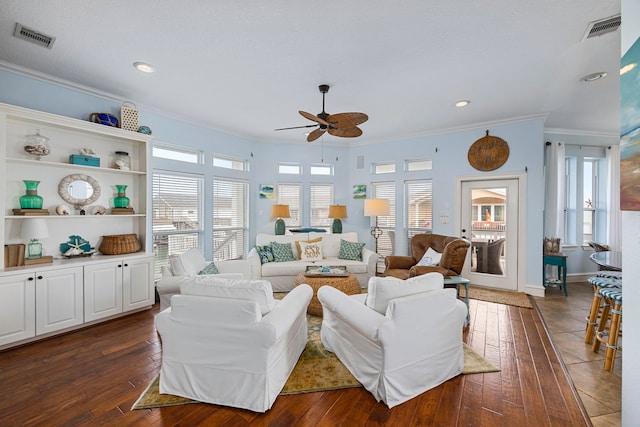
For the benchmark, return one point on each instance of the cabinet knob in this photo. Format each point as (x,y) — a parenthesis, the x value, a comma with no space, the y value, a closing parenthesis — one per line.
(126,265)
(30,278)
(39,277)
(119,265)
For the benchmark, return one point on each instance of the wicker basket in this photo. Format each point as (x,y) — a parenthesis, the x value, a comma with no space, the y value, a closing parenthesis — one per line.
(119,244)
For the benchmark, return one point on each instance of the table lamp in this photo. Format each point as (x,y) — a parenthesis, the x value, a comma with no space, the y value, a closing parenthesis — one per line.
(336,212)
(32,230)
(376,208)
(279,212)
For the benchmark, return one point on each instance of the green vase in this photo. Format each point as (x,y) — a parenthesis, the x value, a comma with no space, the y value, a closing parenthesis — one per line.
(31,200)
(122,201)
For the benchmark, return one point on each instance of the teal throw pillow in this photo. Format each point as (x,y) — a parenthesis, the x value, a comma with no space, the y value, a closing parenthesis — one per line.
(282,252)
(209,269)
(266,255)
(350,250)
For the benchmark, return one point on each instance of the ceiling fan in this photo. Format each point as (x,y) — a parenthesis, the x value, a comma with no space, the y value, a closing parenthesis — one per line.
(344,125)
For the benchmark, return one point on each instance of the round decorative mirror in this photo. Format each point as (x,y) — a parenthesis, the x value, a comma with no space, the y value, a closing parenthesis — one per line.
(79,190)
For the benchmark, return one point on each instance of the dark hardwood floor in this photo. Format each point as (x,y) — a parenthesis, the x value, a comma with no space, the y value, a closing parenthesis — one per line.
(93,376)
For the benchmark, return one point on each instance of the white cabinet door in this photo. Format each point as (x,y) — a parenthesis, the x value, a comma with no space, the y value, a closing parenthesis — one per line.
(102,290)
(17,308)
(59,301)
(137,283)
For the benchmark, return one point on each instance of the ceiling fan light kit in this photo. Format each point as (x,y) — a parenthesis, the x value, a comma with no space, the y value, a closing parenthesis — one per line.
(344,125)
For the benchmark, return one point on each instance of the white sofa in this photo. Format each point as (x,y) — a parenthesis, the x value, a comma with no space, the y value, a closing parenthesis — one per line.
(282,274)
(414,346)
(228,342)
(190,263)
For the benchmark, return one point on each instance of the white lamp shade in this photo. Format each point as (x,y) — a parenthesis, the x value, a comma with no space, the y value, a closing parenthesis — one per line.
(35,228)
(376,207)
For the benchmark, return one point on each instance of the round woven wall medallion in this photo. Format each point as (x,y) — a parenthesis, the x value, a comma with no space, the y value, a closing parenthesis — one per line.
(488,153)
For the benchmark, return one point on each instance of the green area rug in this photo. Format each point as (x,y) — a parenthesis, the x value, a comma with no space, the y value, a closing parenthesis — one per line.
(317,370)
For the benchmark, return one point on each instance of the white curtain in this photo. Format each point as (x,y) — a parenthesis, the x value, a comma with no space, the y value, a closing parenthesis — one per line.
(555,190)
(614,235)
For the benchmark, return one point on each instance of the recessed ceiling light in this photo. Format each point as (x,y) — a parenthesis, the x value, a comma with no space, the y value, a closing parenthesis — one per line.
(463,103)
(594,76)
(144,67)
(627,68)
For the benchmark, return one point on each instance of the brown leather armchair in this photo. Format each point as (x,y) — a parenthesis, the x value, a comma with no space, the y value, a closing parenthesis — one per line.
(453,250)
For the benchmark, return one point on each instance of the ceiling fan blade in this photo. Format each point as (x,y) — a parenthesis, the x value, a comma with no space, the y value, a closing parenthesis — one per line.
(347,120)
(298,127)
(313,117)
(315,135)
(346,133)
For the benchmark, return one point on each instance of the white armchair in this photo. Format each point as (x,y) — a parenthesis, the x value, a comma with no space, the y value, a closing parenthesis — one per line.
(189,263)
(414,346)
(218,346)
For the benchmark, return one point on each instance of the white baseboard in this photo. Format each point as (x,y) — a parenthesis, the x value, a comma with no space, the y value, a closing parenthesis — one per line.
(535,290)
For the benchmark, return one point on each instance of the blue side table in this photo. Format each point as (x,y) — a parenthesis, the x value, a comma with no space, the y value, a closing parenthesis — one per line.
(560,261)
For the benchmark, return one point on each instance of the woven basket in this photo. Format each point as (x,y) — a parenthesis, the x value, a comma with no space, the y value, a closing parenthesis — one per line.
(129,117)
(119,244)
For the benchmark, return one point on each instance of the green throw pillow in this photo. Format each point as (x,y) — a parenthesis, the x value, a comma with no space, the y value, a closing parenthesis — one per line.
(282,252)
(209,269)
(350,250)
(266,255)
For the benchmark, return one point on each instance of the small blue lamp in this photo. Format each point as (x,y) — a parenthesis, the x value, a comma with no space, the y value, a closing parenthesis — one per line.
(279,212)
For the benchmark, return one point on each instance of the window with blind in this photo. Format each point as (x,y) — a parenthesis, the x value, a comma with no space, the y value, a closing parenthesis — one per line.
(230,223)
(177,215)
(419,208)
(386,242)
(321,196)
(291,194)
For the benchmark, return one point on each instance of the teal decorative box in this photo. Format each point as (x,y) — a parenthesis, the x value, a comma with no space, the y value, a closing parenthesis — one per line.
(80,159)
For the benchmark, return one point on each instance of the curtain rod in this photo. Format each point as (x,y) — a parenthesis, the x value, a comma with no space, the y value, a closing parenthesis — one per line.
(608,147)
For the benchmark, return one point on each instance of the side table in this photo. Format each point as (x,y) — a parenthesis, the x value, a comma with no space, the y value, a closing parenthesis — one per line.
(456,281)
(559,260)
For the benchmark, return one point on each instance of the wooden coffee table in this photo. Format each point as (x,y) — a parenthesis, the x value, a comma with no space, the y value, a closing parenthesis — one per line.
(347,284)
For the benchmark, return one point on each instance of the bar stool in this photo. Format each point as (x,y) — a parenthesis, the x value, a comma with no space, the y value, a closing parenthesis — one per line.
(599,283)
(613,296)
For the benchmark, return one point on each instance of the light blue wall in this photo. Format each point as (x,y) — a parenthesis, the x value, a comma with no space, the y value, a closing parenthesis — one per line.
(448,152)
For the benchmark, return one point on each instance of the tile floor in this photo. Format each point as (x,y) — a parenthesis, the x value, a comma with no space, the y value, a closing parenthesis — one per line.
(600,391)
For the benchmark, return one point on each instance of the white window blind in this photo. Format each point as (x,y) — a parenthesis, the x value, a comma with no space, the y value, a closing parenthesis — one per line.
(291,194)
(230,224)
(321,196)
(419,208)
(177,210)
(386,242)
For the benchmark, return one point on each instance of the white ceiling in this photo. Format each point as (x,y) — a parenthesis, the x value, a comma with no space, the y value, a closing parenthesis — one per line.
(247,67)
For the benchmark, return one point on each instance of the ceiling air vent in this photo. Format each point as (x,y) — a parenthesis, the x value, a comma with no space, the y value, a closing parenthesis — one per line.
(601,27)
(33,36)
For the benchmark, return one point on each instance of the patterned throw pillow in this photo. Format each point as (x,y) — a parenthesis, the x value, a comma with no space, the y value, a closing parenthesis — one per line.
(282,252)
(209,269)
(431,257)
(266,255)
(350,250)
(311,251)
(318,239)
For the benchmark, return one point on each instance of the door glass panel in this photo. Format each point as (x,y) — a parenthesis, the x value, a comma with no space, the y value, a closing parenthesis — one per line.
(488,231)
